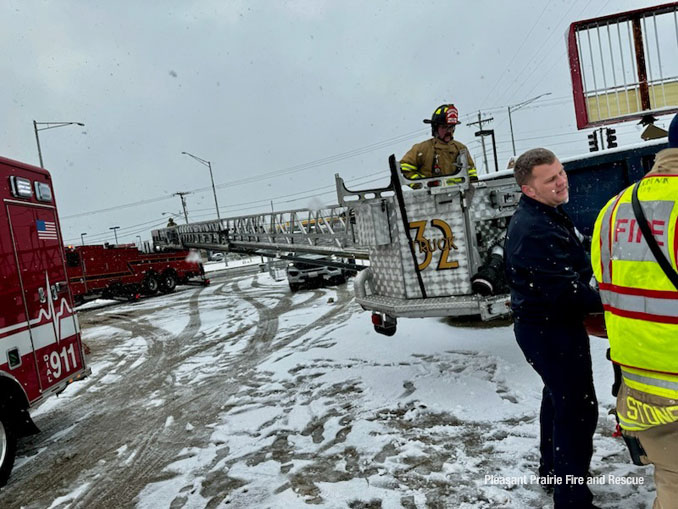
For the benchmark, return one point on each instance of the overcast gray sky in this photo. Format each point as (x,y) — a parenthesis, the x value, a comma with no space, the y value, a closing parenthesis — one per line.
(278,95)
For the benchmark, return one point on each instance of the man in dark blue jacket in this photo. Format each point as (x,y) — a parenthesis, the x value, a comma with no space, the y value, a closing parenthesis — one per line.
(548,271)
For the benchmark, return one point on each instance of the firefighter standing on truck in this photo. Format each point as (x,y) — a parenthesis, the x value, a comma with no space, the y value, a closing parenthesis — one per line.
(440,154)
(641,315)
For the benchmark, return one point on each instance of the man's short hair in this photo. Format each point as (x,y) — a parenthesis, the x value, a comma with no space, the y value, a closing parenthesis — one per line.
(527,161)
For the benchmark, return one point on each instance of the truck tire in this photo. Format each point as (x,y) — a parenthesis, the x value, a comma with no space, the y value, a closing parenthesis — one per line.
(389,330)
(294,287)
(7,444)
(168,282)
(150,286)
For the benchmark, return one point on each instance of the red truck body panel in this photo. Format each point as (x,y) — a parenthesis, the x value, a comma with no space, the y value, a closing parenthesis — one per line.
(40,346)
(95,269)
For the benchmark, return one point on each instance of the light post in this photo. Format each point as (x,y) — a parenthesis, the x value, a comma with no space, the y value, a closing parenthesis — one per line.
(82,238)
(209,165)
(516,107)
(115,232)
(49,125)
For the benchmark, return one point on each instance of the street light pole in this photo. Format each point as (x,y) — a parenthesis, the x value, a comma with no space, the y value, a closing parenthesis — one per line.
(82,238)
(516,107)
(115,232)
(209,165)
(49,125)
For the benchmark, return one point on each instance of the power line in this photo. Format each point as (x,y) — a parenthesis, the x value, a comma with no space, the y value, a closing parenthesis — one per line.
(294,197)
(239,206)
(249,205)
(564,54)
(508,66)
(273,174)
(534,57)
(286,171)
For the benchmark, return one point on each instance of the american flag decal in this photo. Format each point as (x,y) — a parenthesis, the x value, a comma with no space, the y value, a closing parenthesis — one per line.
(46,230)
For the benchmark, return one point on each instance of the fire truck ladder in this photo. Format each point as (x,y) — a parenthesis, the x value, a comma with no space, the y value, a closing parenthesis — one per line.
(327,231)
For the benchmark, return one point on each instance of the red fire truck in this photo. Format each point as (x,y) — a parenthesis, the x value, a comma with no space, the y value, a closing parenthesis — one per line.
(40,347)
(125,271)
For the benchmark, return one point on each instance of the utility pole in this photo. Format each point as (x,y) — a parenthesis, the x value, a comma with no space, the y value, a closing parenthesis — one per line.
(115,232)
(183,203)
(482,134)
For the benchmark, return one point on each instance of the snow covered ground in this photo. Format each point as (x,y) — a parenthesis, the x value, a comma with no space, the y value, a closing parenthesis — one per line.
(227,264)
(291,400)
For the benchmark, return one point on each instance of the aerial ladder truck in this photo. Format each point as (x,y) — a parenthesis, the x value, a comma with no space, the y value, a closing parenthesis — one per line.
(432,251)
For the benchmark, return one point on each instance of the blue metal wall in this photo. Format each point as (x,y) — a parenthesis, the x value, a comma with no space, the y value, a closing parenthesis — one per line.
(594,179)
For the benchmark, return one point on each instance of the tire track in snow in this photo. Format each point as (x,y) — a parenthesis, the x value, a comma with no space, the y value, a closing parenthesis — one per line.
(86,435)
(119,436)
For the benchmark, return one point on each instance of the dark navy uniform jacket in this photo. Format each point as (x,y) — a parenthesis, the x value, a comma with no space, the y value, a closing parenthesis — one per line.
(547,266)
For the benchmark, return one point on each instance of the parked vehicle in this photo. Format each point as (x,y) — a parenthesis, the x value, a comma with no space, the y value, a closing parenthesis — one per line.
(312,272)
(40,347)
(125,272)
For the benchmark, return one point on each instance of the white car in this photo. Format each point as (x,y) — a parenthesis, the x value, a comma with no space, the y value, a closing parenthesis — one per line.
(302,273)
(217,257)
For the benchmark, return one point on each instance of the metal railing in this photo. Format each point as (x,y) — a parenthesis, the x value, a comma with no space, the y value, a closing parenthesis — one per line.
(328,230)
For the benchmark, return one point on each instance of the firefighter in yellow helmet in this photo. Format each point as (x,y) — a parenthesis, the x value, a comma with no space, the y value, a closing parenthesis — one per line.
(441,154)
(640,298)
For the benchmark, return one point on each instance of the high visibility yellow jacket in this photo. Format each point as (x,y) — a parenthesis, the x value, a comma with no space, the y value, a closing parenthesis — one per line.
(434,157)
(640,302)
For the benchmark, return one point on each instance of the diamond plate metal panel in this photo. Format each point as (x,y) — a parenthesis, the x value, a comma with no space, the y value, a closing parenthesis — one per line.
(452,234)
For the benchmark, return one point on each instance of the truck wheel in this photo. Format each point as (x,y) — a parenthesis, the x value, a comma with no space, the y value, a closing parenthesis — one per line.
(294,287)
(150,285)
(386,331)
(168,283)
(7,445)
